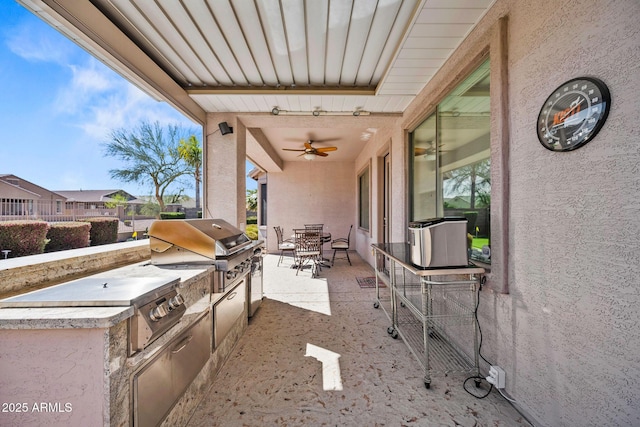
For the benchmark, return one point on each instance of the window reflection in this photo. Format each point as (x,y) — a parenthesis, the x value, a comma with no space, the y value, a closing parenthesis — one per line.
(451,161)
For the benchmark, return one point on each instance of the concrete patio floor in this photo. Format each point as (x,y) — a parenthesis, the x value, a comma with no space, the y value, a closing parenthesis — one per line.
(318,353)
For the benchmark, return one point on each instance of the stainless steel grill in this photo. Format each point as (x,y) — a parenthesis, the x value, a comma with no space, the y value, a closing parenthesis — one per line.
(204,241)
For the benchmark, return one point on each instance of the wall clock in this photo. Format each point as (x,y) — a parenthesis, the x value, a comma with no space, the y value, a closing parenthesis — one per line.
(573,114)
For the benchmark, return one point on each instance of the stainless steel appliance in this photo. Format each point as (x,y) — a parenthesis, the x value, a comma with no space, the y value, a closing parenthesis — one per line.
(439,242)
(156,302)
(204,241)
(255,292)
(159,384)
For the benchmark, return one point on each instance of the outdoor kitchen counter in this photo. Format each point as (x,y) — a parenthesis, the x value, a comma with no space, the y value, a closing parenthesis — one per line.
(104,317)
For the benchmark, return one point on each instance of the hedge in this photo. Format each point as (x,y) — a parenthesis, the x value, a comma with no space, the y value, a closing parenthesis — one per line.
(68,235)
(103,230)
(252,220)
(173,215)
(23,237)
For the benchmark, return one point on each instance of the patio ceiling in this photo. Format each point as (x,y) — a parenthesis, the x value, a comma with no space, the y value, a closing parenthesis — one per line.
(329,56)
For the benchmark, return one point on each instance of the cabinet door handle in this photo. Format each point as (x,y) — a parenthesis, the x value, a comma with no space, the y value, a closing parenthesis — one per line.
(231,296)
(182,344)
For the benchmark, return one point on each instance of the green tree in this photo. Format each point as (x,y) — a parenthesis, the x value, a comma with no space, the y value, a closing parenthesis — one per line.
(474,179)
(151,156)
(191,152)
(252,200)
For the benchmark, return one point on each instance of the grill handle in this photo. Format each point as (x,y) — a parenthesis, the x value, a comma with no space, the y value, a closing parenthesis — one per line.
(182,344)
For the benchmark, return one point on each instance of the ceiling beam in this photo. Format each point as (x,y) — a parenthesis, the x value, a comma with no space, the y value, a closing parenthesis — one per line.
(282,90)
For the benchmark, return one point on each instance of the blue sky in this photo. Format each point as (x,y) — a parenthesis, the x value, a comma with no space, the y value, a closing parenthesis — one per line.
(58,106)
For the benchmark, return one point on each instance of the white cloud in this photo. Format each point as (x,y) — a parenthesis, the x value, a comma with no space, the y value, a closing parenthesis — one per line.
(37,43)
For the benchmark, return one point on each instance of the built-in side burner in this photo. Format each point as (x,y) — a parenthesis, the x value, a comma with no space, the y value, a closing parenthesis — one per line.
(157,304)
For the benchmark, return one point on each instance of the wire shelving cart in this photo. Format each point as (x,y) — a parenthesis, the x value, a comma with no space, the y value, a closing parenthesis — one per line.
(432,310)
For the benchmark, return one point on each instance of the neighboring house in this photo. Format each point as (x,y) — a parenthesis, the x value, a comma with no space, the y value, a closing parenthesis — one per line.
(21,199)
(98,202)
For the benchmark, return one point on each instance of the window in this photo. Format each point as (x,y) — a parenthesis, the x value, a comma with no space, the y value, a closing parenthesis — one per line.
(451,162)
(263,204)
(363,199)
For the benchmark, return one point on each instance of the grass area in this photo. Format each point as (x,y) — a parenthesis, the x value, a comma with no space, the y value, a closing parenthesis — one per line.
(479,242)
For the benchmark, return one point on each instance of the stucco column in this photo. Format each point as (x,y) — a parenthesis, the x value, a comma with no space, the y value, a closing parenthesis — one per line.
(224,171)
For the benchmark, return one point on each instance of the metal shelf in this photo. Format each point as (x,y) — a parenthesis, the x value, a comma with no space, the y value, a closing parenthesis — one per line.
(435,318)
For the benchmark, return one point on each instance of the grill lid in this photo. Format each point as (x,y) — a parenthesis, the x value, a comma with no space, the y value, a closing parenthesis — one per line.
(96,292)
(209,238)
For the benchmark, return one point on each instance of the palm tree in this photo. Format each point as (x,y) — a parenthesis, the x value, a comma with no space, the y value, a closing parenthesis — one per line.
(191,152)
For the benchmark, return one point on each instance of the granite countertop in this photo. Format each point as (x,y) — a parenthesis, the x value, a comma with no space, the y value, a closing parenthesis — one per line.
(95,317)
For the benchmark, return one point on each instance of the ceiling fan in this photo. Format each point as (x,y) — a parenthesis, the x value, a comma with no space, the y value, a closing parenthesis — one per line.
(429,151)
(310,152)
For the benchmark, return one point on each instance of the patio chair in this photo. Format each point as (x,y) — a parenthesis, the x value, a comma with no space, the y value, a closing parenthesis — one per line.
(341,244)
(284,245)
(307,243)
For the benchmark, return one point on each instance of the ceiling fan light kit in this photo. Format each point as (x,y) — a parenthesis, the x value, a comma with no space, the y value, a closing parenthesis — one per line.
(309,156)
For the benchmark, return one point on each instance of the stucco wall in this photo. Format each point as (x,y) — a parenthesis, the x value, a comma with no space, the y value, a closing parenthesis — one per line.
(567,334)
(569,331)
(311,192)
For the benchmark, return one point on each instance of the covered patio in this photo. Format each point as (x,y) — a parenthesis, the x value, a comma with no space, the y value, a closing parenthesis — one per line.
(318,353)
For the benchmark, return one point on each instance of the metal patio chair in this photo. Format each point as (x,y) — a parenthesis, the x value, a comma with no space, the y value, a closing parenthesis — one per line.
(307,251)
(341,244)
(284,245)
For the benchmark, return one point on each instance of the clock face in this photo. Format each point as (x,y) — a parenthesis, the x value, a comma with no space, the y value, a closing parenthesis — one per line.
(573,114)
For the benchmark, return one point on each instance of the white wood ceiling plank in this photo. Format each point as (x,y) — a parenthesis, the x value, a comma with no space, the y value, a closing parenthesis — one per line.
(415,77)
(432,42)
(425,53)
(294,24)
(184,23)
(274,33)
(416,63)
(171,59)
(458,4)
(394,38)
(440,30)
(339,17)
(175,39)
(383,20)
(227,24)
(251,27)
(359,32)
(450,16)
(305,103)
(294,102)
(317,15)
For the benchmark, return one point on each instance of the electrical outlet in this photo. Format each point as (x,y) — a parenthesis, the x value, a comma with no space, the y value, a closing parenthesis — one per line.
(496,377)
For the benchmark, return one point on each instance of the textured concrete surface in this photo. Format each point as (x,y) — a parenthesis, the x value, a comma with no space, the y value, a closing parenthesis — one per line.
(283,371)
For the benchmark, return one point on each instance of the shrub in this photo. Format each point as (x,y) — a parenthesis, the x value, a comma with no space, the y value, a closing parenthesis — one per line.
(103,230)
(252,220)
(252,232)
(23,237)
(172,215)
(68,235)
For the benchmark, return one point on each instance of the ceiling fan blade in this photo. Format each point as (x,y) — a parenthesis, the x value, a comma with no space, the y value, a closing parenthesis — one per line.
(293,149)
(324,149)
(418,151)
(321,154)
(323,140)
(308,145)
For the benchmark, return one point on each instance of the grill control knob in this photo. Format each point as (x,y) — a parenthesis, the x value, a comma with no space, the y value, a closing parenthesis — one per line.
(231,275)
(176,302)
(158,312)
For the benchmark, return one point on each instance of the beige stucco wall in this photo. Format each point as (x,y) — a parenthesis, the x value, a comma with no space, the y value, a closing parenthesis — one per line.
(311,192)
(567,332)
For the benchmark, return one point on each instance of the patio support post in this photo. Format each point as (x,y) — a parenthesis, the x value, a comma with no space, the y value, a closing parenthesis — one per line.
(224,170)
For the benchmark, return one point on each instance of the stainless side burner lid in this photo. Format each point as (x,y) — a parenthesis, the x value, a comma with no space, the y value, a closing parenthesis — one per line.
(96,292)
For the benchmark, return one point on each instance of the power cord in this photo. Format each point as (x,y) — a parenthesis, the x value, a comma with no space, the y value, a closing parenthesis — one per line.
(479,379)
